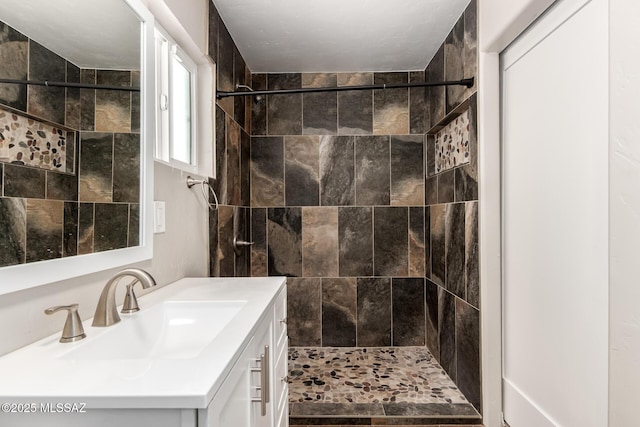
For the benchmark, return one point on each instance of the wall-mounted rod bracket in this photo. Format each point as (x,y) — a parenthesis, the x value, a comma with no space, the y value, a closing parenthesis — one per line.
(68,84)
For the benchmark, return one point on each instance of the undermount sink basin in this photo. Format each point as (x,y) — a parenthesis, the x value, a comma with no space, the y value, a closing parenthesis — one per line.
(169,330)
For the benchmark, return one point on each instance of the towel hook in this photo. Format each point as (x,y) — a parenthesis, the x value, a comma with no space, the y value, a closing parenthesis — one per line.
(203,183)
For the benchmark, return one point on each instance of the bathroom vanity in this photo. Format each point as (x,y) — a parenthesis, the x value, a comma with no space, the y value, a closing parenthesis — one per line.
(202,352)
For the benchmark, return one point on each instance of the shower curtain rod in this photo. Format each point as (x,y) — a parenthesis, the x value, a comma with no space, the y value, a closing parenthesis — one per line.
(464,82)
(65,84)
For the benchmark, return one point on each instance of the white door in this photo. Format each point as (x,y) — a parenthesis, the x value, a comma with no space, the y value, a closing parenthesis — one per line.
(555,219)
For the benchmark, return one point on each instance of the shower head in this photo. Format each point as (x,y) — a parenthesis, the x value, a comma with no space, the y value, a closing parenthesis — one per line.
(258,99)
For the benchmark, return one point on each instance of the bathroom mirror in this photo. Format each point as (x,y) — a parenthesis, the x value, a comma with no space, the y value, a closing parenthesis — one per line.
(92,212)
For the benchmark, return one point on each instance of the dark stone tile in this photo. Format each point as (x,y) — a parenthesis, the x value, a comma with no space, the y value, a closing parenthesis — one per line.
(70,230)
(226,254)
(454,63)
(337,185)
(417,104)
(302,170)
(239,78)
(224,66)
(267,171)
(13,225)
(214,265)
(416,242)
(431,191)
(259,108)
(466,186)
(284,112)
(22,181)
(436,96)
(220,182)
(113,108)
(455,249)
(126,167)
(111,226)
(391,229)
(410,409)
(214,25)
(430,155)
(72,108)
(471,45)
(468,351)
(328,421)
(355,233)
(374,312)
(86,228)
(427,242)
(391,106)
(355,108)
(62,186)
(304,311)
(46,102)
(320,242)
(134,225)
(446,189)
(233,163)
(408,312)
(284,230)
(136,112)
(72,158)
(438,253)
(407,170)
(96,165)
(45,220)
(472,254)
(372,170)
(245,168)
(243,255)
(339,312)
(432,306)
(320,113)
(447,332)
(88,101)
(339,409)
(14,57)
(259,239)
(466,178)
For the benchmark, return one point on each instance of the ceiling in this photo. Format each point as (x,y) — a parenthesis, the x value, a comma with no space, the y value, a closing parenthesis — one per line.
(338,35)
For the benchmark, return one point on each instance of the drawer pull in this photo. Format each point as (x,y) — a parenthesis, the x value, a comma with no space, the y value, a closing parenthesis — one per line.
(264,386)
(285,379)
(284,321)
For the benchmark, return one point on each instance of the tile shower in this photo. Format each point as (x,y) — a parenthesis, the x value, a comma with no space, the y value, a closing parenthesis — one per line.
(367,201)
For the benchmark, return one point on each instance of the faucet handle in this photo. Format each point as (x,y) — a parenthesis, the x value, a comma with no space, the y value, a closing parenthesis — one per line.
(130,301)
(73,330)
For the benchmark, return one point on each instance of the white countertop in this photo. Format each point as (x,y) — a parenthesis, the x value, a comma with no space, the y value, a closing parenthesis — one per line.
(38,374)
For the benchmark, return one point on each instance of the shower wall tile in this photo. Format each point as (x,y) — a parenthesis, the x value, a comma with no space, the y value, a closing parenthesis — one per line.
(135,103)
(438,254)
(224,65)
(304,311)
(239,78)
(45,101)
(214,265)
(468,351)
(436,96)
(284,230)
(407,170)
(259,109)
(472,254)
(20,181)
(72,108)
(88,101)
(455,249)
(220,183)
(339,312)
(454,63)
(337,181)
(61,186)
(113,108)
(134,225)
(355,108)
(44,229)
(416,242)
(417,104)
(471,45)
(86,228)
(111,226)
(302,170)
(214,28)
(126,167)
(226,254)
(259,239)
(427,241)
(320,242)
(431,191)
(320,110)
(96,165)
(355,231)
(446,187)
(13,226)
(374,312)
(14,57)
(243,255)
(390,241)
(70,229)
(408,308)
(233,162)
(432,315)
(245,168)
(452,144)
(430,155)
(284,112)
(447,331)
(372,170)
(267,171)
(391,106)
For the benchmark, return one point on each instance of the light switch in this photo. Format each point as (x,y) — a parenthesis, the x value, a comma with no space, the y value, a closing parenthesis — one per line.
(159,225)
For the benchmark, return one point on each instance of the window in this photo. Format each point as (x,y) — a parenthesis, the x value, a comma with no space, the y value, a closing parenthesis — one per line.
(176,113)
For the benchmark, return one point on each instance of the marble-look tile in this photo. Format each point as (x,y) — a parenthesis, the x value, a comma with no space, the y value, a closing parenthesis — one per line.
(466,180)
(46,102)
(62,186)
(337,180)
(14,57)
(355,231)
(417,104)
(245,168)
(416,242)
(374,312)
(302,170)
(455,249)
(427,242)
(319,110)
(226,254)
(233,162)
(135,103)
(111,226)
(220,182)
(431,191)
(428,409)
(239,78)
(407,170)
(214,265)
(284,231)
(471,45)
(284,112)
(320,242)
(466,186)
(13,226)
(446,188)
(72,101)
(113,108)
(339,312)
(337,409)
(88,101)
(438,254)
(126,167)
(259,239)
(243,256)
(468,351)
(447,331)
(267,171)
(408,303)
(433,325)
(214,25)
(44,229)
(72,158)
(134,225)
(259,109)
(96,165)
(430,155)
(21,181)
(355,108)
(304,311)
(454,63)
(224,65)
(70,229)
(436,96)
(391,240)
(472,254)
(86,228)
(372,170)
(391,106)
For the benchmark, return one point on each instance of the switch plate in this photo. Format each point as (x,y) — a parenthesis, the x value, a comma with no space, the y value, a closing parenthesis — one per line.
(159,217)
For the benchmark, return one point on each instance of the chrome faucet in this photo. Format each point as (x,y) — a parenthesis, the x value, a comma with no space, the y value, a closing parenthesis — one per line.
(106,310)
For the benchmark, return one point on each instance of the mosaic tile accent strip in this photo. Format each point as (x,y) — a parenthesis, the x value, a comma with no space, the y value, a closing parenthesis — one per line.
(452,144)
(28,142)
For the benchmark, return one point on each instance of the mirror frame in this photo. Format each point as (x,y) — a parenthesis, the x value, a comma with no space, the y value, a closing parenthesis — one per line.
(24,276)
